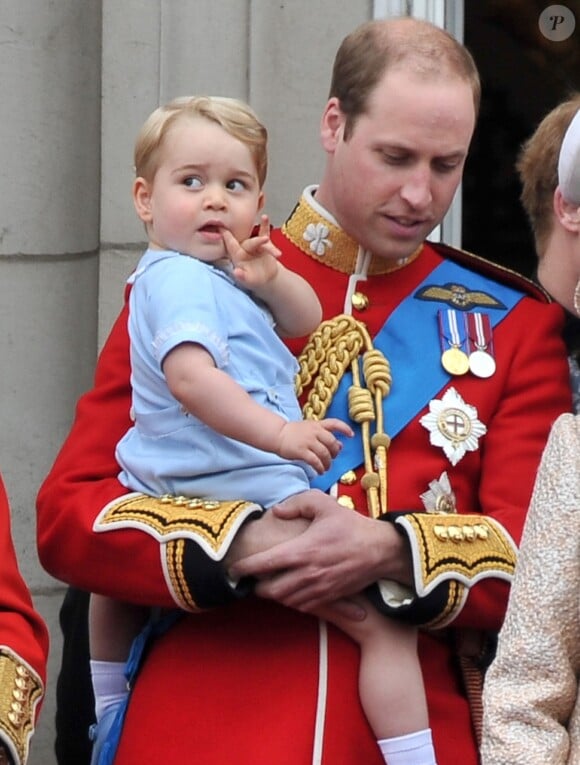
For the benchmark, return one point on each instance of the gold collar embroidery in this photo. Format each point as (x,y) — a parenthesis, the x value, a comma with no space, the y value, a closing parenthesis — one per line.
(322,240)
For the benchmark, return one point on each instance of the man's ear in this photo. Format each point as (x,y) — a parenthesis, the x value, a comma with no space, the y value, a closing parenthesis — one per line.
(142,199)
(567,213)
(332,125)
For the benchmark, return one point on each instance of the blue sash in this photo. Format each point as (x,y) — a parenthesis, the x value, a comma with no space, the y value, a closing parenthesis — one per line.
(409,339)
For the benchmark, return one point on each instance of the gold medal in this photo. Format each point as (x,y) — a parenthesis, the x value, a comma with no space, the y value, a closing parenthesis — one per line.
(455,361)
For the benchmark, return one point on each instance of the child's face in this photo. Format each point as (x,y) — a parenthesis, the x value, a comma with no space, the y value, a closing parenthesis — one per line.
(206,181)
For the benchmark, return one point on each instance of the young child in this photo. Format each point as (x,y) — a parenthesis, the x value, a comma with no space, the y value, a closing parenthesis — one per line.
(214,406)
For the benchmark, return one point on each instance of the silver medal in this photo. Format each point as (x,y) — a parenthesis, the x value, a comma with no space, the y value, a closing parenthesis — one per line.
(482,364)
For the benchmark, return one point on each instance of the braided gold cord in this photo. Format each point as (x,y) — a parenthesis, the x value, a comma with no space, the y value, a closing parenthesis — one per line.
(326,345)
(325,358)
(377,372)
(361,410)
(330,350)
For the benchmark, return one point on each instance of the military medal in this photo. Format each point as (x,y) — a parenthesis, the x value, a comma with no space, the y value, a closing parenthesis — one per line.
(453,338)
(455,361)
(481,360)
(440,498)
(481,364)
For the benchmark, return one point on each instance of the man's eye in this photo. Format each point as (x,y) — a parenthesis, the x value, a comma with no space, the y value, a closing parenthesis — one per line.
(236,185)
(192,182)
(394,159)
(446,167)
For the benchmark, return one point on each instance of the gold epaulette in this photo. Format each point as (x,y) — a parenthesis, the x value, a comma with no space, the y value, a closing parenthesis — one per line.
(21,689)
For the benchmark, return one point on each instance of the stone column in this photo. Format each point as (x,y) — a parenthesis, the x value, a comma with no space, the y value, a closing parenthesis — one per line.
(50,56)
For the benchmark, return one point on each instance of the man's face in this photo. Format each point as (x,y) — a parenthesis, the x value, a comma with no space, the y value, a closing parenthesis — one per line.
(392,181)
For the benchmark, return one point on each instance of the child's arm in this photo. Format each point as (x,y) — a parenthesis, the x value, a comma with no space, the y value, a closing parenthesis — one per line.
(292,301)
(215,398)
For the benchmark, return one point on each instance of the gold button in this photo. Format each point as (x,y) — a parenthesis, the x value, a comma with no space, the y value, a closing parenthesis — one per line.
(359,301)
(348,478)
(346,501)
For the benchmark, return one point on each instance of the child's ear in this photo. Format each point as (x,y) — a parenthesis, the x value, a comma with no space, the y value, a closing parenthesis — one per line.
(142,199)
(261,201)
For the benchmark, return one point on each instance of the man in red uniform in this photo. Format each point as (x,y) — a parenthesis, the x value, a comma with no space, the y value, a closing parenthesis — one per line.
(23,652)
(452,370)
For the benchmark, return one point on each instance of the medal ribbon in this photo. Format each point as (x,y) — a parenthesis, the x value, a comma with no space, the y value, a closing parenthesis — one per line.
(452,329)
(410,354)
(479,332)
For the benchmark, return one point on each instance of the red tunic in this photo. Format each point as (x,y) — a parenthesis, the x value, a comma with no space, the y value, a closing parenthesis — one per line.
(243,682)
(23,649)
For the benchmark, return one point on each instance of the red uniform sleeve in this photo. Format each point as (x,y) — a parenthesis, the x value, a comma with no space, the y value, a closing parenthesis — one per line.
(23,649)
(125,564)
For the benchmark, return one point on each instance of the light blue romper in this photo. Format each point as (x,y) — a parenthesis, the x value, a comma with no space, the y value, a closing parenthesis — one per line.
(176,299)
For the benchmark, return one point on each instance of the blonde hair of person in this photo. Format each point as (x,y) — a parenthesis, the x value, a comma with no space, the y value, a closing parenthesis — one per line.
(234,116)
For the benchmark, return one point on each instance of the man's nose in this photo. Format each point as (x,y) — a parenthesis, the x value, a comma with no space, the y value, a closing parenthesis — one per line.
(417,188)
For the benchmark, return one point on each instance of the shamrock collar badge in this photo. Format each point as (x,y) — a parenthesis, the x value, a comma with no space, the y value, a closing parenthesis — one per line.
(453,425)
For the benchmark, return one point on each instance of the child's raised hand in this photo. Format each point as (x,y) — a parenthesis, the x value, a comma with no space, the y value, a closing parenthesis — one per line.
(312,441)
(255,260)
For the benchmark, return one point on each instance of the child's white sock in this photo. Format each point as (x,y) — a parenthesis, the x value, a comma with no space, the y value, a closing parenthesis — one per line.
(109,684)
(412,749)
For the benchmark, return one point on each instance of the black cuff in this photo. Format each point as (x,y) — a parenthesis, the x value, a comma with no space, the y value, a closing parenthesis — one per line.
(422,609)
(207,579)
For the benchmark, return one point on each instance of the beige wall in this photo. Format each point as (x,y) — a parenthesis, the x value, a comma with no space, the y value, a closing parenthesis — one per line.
(78,78)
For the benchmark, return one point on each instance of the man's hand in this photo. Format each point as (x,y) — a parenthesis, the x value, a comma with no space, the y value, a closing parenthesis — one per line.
(337,556)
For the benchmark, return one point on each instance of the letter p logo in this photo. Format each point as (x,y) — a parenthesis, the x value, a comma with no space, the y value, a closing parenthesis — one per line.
(557,23)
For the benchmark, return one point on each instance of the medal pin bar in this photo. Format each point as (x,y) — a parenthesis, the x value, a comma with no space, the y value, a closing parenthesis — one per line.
(481,360)
(453,339)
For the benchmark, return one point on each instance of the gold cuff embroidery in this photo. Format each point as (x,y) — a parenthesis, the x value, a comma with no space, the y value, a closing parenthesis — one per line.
(456,597)
(211,524)
(173,564)
(465,548)
(21,690)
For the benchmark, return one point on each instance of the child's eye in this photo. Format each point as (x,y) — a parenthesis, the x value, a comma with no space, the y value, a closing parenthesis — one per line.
(192,182)
(236,185)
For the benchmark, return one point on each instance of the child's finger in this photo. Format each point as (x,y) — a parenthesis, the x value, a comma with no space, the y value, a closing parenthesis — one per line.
(264,225)
(337,426)
(232,245)
(254,245)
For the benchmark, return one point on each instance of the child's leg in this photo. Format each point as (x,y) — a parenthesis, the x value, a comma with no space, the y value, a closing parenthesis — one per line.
(391,686)
(112,629)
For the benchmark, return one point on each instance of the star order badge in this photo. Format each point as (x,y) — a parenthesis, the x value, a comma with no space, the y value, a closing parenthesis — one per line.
(453,425)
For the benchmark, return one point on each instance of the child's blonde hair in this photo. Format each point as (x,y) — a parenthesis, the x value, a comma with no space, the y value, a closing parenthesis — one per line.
(233,115)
